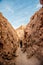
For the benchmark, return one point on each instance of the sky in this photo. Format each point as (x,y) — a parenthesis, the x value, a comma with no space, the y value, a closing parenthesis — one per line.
(19,12)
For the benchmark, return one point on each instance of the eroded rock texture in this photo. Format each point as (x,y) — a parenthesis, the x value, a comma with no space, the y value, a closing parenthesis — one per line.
(20,33)
(33,39)
(8,42)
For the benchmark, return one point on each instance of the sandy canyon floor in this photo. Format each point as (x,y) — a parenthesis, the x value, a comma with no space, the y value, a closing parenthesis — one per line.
(22,59)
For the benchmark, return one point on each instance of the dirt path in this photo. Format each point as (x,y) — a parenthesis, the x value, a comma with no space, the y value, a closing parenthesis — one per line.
(22,60)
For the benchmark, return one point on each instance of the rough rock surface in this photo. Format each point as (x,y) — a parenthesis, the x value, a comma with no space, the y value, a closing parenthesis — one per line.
(20,32)
(8,42)
(33,39)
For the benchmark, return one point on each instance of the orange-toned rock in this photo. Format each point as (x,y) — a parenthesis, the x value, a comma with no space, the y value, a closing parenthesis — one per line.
(33,39)
(20,33)
(8,42)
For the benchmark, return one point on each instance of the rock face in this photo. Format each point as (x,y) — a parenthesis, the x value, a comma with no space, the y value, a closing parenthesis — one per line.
(20,33)
(8,42)
(33,39)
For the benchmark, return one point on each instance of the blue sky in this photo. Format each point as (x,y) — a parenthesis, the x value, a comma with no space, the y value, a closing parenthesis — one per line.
(18,12)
